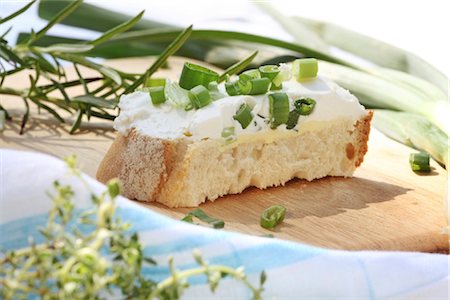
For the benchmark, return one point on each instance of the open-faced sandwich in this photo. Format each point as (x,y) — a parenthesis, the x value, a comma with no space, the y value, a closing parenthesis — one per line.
(184,143)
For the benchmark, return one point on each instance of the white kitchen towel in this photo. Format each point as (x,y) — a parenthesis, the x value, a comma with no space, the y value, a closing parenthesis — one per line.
(294,270)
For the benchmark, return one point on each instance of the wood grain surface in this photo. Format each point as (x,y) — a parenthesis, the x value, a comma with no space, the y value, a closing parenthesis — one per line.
(385,206)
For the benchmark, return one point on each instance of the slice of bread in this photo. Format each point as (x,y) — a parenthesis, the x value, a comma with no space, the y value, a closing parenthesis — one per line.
(184,173)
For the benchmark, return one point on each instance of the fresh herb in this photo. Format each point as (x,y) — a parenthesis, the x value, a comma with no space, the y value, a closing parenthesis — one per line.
(199,96)
(229,135)
(420,162)
(244,115)
(45,63)
(305,68)
(92,254)
(272,216)
(157,95)
(278,109)
(202,216)
(194,75)
(269,71)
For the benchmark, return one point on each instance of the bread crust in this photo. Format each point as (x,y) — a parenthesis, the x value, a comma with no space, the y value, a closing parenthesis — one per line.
(154,169)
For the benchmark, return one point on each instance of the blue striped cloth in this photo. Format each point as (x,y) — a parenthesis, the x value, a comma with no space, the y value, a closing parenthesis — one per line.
(294,271)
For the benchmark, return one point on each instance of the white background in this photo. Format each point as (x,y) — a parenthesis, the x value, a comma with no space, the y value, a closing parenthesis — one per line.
(421,27)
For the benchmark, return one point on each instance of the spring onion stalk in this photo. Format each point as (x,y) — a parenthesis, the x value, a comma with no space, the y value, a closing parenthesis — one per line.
(269,71)
(376,51)
(244,115)
(420,162)
(415,131)
(199,96)
(278,109)
(374,91)
(229,135)
(194,75)
(293,119)
(272,216)
(305,68)
(157,95)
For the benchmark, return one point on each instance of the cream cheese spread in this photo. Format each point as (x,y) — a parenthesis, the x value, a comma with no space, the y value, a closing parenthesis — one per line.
(168,122)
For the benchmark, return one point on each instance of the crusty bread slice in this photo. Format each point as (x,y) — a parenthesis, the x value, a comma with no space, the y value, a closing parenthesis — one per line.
(181,173)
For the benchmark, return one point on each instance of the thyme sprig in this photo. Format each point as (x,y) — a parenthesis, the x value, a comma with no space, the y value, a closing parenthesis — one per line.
(45,63)
(93,254)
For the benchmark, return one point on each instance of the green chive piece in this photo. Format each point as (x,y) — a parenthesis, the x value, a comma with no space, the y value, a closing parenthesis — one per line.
(249,75)
(420,162)
(293,119)
(255,86)
(274,87)
(305,68)
(194,75)
(272,216)
(228,135)
(305,106)
(153,82)
(232,88)
(199,96)
(213,86)
(244,115)
(269,71)
(157,95)
(278,109)
(200,214)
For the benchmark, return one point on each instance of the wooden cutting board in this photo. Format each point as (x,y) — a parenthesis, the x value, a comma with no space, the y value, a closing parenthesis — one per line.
(384,207)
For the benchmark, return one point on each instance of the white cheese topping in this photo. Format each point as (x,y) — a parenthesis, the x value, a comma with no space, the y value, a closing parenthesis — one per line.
(167,122)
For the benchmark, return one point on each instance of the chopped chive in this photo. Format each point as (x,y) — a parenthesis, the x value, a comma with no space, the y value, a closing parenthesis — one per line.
(278,109)
(272,216)
(293,119)
(157,95)
(228,135)
(194,75)
(202,216)
(152,82)
(305,68)
(213,86)
(244,115)
(274,87)
(269,71)
(232,88)
(305,106)
(420,162)
(249,75)
(256,86)
(199,96)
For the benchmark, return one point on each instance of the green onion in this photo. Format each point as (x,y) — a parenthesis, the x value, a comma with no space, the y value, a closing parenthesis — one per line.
(256,86)
(274,87)
(232,88)
(194,75)
(278,108)
(284,75)
(228,135)
(249,75)
(305,68)
(177,96)
(199,96)
(200,214)
(420,162)
(237,67)
(269,71)
(304,106)
(244,115)
(293,119)
(157,95)
(213,86)
(152,82)
(272,216)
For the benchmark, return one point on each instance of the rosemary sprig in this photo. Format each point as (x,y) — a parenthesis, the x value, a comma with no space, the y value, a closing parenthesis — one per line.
(44,62)
(92,254)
